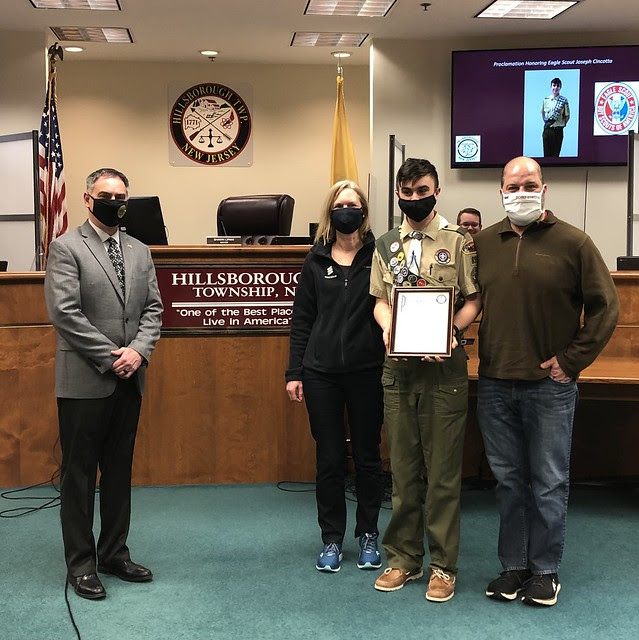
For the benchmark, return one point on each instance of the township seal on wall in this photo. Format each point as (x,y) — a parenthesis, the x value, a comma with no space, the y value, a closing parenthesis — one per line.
(210,124)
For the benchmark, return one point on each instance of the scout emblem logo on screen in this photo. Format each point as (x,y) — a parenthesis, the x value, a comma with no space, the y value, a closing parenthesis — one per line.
(210,124)
(616,108)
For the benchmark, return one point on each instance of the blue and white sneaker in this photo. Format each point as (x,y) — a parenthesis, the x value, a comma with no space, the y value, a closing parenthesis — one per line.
(330,558)
(369,557)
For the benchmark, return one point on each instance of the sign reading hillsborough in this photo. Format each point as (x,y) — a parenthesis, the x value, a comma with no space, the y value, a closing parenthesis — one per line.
(227,299)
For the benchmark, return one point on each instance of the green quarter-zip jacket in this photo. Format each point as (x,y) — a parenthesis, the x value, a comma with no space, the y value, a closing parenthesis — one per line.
(535,288)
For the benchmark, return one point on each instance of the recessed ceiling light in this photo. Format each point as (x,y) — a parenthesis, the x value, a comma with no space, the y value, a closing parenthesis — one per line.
(536,9)
(73,49)
(341,54)
(361,8)
(315,39)
(92,34)
(209,52)
(95,5)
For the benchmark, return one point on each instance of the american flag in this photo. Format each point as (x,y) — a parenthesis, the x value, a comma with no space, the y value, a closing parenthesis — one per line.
(53,200)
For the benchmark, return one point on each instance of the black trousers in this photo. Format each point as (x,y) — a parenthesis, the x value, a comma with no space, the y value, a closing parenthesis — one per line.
(553,138)
(97,432)
(327,395)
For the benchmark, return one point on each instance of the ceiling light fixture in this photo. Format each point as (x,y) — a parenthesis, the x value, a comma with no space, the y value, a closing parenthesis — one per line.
(526,9)
(95,5)
(316,39)
(209,52)
(341,54)
(92,34)
(74,49)
(359,8)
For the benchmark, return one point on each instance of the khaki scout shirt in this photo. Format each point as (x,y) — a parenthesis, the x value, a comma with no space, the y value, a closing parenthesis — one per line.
(448,260)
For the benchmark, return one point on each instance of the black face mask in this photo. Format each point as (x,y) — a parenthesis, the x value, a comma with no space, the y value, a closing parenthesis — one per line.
(109,212)
(418,210)
(348,219)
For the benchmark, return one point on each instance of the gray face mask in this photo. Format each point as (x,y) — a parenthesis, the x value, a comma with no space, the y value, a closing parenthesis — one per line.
(109,212)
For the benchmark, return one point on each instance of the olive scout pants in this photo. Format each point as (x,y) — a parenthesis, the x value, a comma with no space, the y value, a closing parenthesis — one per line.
(425,407)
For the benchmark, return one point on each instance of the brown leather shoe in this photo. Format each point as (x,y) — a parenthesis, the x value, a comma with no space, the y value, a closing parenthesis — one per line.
(87,586)
(127,570)
(393,579)
(441,586)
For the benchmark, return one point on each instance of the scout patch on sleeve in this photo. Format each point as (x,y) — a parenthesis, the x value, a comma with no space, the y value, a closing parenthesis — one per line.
(469,247)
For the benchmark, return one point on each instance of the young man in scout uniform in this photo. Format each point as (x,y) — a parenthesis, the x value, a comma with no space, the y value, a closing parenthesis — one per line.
(425,399)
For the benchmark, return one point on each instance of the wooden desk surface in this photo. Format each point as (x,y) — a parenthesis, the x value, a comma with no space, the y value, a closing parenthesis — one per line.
(604,370)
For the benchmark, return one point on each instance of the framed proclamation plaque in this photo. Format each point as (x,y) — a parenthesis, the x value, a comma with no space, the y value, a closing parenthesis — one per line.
(422,321)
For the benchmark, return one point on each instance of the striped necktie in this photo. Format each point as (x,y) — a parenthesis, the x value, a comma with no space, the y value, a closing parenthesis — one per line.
(116,258)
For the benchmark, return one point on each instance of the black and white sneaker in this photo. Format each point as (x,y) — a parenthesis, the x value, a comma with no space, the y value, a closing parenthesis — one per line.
(541,590)
(508,585)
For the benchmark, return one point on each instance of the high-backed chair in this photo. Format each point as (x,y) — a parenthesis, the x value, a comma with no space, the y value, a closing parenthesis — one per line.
(265,215)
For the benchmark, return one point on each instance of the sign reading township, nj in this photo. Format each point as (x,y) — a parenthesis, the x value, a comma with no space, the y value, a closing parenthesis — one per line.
(210,125)
(227,299)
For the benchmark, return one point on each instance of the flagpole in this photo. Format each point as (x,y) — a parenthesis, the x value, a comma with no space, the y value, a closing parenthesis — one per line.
(49,156)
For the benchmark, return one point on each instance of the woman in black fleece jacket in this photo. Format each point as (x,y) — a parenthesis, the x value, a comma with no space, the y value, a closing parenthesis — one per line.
(336,356)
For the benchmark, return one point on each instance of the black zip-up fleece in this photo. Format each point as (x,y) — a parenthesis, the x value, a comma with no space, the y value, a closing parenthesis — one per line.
(333,329)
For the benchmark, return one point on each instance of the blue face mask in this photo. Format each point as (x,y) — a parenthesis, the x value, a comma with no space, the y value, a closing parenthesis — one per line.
(347,219)
(418,210)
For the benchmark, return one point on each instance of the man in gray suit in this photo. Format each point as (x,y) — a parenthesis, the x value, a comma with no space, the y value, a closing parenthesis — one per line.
(103,300)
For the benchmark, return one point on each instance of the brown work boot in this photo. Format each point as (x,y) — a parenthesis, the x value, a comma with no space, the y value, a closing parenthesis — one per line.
(441,586)
(393,579)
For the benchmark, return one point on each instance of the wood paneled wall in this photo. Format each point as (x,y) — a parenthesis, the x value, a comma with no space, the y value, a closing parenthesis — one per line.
(216,410)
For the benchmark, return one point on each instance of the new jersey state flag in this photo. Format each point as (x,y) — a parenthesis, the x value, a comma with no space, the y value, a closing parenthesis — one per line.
(343,165)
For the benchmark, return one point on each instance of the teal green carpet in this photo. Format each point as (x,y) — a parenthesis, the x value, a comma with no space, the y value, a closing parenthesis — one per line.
(237,561)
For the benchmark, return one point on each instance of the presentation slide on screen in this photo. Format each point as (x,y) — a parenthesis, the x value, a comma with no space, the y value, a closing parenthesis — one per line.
(567,106)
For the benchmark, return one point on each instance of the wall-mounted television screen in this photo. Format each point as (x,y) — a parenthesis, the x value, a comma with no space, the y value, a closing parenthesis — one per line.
(565,106)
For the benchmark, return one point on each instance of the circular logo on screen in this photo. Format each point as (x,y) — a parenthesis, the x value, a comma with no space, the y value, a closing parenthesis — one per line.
(616,107)
(467,148)
(210,123)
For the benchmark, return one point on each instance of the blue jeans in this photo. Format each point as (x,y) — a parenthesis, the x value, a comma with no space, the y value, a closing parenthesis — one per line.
(527,431)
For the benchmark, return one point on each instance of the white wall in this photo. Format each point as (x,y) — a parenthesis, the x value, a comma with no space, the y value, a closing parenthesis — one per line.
(23,79)
(116,114)
(410,97)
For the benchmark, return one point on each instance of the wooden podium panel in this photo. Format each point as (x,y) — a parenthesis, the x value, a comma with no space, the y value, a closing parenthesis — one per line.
(216,409)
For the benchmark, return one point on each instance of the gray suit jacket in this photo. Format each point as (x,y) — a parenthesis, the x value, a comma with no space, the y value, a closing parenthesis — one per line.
(90,315)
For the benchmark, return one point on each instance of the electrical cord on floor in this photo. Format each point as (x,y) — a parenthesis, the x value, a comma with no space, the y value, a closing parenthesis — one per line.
(607,482)
(66,599)
(51,502)
(281,485)
(387,490)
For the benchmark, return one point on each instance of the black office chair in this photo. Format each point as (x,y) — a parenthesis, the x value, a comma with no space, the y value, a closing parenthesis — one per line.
(262,215)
